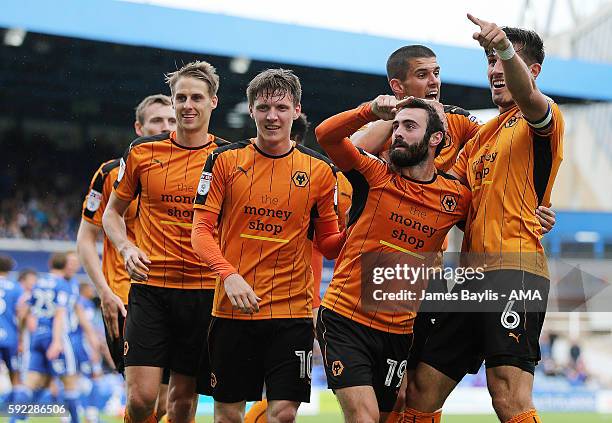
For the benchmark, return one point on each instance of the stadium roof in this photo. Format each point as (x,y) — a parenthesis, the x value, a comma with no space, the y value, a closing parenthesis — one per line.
(194,31)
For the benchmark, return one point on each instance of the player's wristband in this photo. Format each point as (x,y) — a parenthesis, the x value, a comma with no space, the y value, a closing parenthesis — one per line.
(506,54)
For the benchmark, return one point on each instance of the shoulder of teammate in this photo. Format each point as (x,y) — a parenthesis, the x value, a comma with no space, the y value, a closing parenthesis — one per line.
(318,156)
(220,142)
(98,193)
(127,186)
(370,166)
(214,172)
(224,148)
(551,123)
(461,122)
(463,192)
(136,147)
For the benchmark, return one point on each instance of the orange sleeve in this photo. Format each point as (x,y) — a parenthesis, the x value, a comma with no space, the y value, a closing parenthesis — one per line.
(126,186)
(461,165)
(332,134)
(205,246)
(95,201)
(329,240)
(317,270)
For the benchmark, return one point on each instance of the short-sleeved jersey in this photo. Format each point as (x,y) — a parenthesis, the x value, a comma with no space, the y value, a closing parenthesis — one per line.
(164,176)
(49,293)
(10,293)
(462,126)
(511,167)
(267,207)
(391,213)
(95,202)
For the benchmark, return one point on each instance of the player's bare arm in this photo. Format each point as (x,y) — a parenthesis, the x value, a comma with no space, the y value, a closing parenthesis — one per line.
(518,78)
(111,304)
(89,331)
(57,333)
(136,261)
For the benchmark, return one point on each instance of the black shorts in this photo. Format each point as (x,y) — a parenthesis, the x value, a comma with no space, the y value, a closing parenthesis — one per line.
(459,342)
(246,353)
(115,346)
(425,321)
(167,327)
(356,355)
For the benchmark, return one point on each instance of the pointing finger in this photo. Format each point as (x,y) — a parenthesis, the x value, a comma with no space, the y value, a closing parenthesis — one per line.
(475,20)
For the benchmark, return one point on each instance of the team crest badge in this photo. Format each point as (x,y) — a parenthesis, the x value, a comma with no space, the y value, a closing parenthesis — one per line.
(511,122)
(449,203)
(337,368)
(213,380)
(300,179)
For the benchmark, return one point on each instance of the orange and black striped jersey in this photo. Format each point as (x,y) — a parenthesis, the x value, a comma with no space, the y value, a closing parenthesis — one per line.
(390,214)
(462,126)
(99,192)
(344,194)
(164,176)
(267,207)
(511,166)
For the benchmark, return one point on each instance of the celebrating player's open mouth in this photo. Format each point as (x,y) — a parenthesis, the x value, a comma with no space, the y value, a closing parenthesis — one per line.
(432,95)
(189,118)
(497,85)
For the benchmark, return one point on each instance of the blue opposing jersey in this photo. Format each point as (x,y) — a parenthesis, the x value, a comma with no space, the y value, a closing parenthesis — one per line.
(89,310)
(10,293)
(49,293)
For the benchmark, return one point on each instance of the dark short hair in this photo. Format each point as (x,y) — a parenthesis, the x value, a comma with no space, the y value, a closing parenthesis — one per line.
(434,123)
(6,263)
(300,128)
(272,82)
(58,261)
(25,272)
(398,64)
(528,43)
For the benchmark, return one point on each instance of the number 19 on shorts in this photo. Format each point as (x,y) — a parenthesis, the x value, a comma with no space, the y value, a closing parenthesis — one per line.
(401,369)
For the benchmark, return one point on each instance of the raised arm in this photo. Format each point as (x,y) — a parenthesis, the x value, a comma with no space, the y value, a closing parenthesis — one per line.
(518,77)
(373,137)
(333,132)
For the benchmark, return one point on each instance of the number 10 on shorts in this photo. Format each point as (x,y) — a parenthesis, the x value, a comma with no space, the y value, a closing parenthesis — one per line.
(305,363)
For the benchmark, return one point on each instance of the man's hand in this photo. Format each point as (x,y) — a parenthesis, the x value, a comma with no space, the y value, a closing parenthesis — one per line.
(490,36)
(54,350)
(546,217)
(111,307)
(384,106)
(241,294)
(135,262)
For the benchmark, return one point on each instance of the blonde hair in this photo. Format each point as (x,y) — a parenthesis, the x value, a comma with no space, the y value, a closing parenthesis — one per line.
(201,70)
(152,99)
